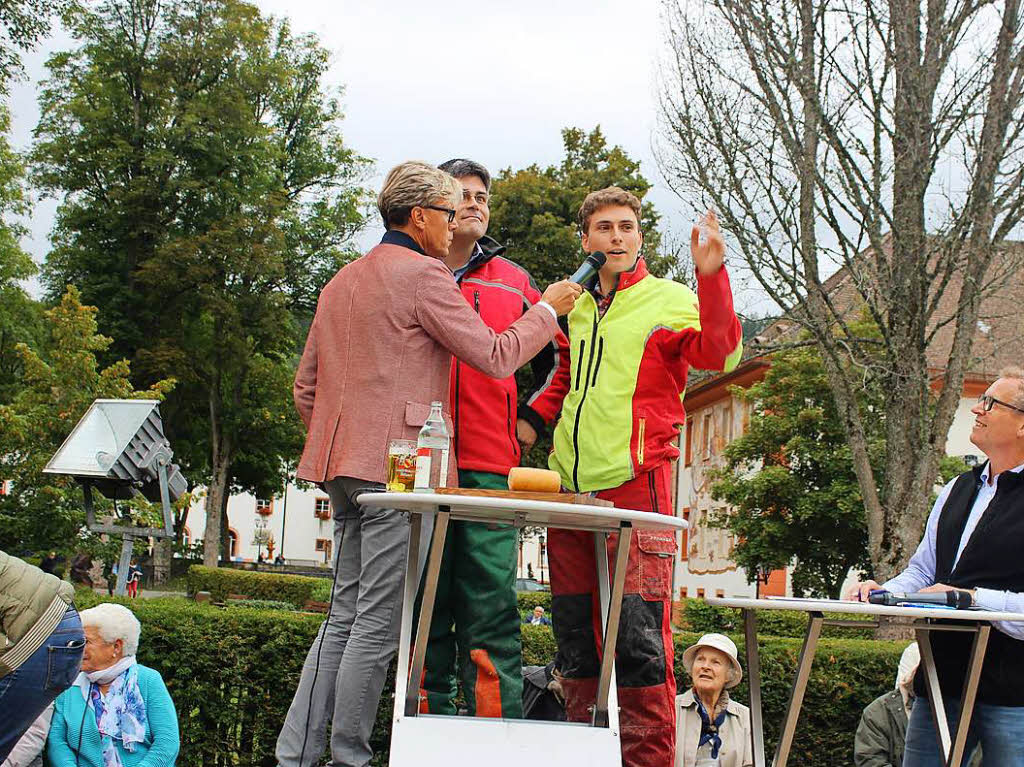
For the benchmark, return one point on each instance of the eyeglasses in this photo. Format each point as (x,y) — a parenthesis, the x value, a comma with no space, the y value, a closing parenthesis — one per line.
(449,211)
(480,197)
(987,401)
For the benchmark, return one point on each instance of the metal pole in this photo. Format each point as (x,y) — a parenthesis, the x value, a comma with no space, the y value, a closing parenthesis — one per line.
(284,514)
(796,694)
(127,544)
(931,683)
(412,695)
(408,607)
(970,692)
(754,682)
(611,628)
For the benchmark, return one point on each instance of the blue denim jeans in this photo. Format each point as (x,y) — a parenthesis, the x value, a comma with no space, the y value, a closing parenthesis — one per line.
(998,729)
(30,688)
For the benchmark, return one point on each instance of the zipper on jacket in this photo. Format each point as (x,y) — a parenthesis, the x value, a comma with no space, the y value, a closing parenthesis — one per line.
(579,362)
(508,413)
(579,408)
(458,385)
(654,492)
(640,442)
(597,366)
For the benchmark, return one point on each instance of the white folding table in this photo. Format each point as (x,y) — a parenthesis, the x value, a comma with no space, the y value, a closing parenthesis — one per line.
(423,740)
(973,621)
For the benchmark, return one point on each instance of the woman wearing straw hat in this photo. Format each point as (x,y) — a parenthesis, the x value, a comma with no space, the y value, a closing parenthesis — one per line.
(712,730)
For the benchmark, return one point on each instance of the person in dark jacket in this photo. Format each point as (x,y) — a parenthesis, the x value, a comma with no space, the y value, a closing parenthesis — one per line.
(49,563)
(476,617)
(882,731)
(883,725)
(537,617)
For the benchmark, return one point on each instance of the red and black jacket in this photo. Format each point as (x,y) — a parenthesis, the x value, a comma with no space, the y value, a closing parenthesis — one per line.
(485,409)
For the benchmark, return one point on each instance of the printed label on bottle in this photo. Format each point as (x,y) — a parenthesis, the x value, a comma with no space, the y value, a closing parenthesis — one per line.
(442,479)
(422,479)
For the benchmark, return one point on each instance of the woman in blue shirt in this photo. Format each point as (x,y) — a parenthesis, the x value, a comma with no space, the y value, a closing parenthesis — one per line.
(117,713)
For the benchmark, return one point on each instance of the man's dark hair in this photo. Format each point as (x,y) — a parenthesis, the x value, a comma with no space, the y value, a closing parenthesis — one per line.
(460,168)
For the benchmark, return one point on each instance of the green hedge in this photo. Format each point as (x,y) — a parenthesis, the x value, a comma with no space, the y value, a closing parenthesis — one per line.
(232,673)
(530,599)
(224,581)
(702,618)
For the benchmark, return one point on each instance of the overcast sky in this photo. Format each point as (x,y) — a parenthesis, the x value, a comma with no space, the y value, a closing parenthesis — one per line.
(493,81)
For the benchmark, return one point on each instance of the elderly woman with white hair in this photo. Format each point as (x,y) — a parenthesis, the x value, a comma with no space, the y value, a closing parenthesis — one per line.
(118,713)
(712,730)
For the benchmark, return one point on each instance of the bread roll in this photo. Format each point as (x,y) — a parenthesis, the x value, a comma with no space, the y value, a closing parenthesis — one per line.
(534,480)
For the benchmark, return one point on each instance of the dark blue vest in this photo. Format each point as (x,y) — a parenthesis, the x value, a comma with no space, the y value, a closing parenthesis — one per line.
(993,558)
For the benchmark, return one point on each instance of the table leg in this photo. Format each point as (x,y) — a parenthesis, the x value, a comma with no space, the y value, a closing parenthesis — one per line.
(430,578)
(408,605)
(931,683)
(796,694)
(970,692)
(612,613)
(754,683)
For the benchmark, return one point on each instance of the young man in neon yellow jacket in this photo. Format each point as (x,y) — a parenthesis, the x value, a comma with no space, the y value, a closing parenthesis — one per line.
(632,339)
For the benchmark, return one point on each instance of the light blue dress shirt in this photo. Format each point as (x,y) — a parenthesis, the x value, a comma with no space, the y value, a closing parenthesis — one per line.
(920,570)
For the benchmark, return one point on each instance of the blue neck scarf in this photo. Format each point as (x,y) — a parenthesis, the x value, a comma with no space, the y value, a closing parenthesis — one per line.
(709,729)
(120,715)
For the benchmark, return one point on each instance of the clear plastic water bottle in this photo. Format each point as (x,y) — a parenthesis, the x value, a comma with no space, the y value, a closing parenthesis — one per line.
(432,452)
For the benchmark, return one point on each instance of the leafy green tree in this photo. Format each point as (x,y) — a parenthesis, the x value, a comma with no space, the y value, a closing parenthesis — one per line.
(23,23)
(792,493)
(533,210)
(789,483)
(40,510)
(20,316)
(207,195)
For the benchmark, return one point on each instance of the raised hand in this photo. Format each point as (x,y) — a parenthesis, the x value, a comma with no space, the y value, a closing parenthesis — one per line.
(708,255)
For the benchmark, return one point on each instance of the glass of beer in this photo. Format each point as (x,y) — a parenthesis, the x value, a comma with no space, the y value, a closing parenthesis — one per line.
(401,468)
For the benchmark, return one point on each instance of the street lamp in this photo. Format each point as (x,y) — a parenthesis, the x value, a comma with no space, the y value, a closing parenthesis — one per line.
(118,447)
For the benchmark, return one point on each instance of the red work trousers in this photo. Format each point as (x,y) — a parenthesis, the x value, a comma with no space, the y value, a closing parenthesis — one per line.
(646,684)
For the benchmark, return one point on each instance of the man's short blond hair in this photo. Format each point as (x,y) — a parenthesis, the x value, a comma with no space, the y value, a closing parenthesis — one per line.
(1016,373)
(413,184)
(603,198)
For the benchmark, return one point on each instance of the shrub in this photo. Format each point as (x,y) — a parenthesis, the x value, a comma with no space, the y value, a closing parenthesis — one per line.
(530,599)
(222,582)
(232,673)
(701,618)
(321,590)
(262,604)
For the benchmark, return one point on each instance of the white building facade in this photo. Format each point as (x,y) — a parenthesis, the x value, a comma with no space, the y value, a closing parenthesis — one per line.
(297,526)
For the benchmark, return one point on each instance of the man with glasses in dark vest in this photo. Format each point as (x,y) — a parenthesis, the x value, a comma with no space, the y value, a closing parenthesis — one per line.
(973,542)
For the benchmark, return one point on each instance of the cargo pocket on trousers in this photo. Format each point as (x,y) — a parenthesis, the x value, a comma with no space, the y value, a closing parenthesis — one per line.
(656,550)
(63,664)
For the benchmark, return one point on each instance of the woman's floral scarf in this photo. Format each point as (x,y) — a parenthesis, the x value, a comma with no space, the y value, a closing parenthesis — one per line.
(120,714)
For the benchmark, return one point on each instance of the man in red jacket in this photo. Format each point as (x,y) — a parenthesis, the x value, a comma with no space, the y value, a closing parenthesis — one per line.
(475,609)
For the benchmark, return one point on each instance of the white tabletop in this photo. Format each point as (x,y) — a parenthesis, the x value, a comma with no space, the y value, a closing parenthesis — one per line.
(861,608)
(475,508)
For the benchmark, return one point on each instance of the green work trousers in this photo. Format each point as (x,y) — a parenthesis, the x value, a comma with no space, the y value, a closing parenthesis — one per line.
(476,618)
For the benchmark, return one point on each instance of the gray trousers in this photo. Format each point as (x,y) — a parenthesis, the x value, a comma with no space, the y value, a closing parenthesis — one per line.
(345,668)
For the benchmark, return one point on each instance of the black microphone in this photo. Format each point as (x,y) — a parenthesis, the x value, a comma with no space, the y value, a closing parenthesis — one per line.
(961,600)
(591,265)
